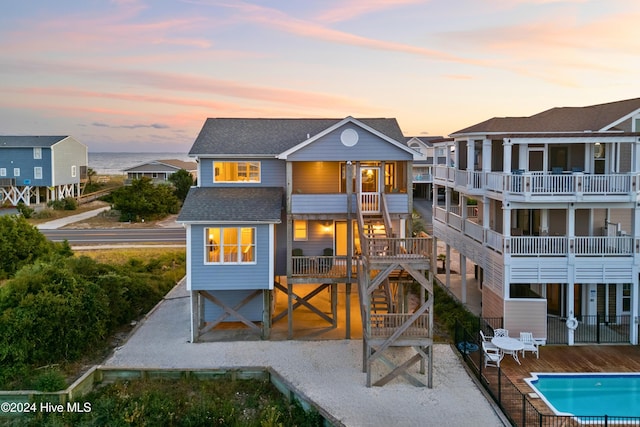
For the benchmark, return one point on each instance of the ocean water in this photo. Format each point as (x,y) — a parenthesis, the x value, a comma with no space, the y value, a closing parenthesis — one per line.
(116,163)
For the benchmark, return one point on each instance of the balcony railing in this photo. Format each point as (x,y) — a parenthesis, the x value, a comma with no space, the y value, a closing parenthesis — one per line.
(563,245)
(540,183)
(385,325)
(541,245)
(330,267)
(410,248)
(422,178)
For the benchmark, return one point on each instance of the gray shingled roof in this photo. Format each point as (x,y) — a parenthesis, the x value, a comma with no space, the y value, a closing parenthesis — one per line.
(29,141)
(271,136)
(562,119)
(232,204)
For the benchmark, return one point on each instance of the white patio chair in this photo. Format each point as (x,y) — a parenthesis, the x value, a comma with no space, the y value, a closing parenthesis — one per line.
(487,340)
(492,356)
(530,344)
(500,332)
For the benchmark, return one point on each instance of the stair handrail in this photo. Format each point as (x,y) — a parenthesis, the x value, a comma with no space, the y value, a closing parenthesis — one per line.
(364,240)
(385,215)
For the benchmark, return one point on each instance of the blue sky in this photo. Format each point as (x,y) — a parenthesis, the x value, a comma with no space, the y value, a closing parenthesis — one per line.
(143,75)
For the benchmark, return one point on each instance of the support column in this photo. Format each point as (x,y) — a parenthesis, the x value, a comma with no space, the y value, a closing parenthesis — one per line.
(486,155)
(350,239)
(506,160)
(463,275)
(570,310)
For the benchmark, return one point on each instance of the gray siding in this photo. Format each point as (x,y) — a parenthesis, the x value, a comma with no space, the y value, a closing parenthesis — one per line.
(368,147)
(252,310)
(397,202)
(272,173)
(230,276)
(320,203)
(68,153)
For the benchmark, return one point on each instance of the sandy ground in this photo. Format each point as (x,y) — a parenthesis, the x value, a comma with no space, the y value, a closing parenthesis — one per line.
(328,372)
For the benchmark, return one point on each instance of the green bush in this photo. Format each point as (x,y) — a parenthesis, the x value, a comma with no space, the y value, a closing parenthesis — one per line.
(25,211)
(66,204)
(50,379)
(61,309)
(20,244)
(143,200)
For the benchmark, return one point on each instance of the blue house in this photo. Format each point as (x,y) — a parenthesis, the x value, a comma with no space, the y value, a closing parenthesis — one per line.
(37,168)
(285,202)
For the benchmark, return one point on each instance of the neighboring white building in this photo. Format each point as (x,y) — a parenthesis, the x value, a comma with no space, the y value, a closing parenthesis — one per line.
(434,152)
(556,229)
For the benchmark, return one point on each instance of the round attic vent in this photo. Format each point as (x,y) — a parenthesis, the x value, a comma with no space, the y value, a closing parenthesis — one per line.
(349,137)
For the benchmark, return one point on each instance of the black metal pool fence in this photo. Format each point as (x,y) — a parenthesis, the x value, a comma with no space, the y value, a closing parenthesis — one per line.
(518,407)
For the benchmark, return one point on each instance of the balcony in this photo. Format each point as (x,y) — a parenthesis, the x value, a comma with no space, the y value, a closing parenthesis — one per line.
(538,185)
(540,246)
(391,249)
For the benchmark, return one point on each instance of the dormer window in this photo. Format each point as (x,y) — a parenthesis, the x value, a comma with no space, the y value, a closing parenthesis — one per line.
(236,172)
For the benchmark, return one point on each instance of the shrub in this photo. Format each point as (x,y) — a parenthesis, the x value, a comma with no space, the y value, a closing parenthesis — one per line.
(50,379)
(20,244)
(25,211)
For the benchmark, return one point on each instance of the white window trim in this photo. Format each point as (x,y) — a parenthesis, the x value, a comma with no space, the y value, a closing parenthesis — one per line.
(16,171)
(74,171)
(37,152)
(37,172)
(221,260)
(259,163)
(3,171)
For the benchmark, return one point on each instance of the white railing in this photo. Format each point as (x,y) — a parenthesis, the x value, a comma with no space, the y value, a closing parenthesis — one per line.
(473,230)
(441,172)
(603,245)
(462,178)
(455,221)
(542,245)
(495,240)
(440,214)
(370,202)
(542,182)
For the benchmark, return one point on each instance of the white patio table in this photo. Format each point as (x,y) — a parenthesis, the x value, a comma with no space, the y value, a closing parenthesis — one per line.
(508,345)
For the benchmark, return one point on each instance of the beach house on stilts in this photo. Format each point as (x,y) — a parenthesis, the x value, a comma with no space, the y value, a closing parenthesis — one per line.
(298,207)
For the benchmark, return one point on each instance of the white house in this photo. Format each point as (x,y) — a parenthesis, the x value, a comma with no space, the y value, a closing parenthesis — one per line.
(556,229)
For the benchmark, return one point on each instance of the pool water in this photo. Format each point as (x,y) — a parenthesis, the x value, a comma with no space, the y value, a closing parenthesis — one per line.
(616,394)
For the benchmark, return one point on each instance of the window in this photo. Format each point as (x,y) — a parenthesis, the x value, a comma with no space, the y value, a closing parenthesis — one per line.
(236,171)
(37,152)
(73,171)
(230,245)
(37,172)
(300,229)
(16,171)
(3,171)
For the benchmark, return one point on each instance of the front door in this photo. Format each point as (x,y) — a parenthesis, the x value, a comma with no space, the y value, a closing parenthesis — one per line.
(370,189)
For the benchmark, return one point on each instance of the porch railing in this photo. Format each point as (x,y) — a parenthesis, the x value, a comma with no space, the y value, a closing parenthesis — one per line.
(399,248)
(319,266)
(385,325)
(542,183)
(579,245)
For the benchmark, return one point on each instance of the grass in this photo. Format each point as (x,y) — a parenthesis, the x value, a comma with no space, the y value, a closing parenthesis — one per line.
(121,256)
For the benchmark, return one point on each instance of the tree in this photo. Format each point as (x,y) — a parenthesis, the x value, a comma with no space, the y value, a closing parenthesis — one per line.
(143,200)
(90,174)
(20,244)
(182,181)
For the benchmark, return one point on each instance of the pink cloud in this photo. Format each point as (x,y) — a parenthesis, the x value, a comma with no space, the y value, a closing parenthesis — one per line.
(273,18)
(348,9)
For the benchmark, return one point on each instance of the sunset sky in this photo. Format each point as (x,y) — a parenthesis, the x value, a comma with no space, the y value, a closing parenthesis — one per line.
(143,75)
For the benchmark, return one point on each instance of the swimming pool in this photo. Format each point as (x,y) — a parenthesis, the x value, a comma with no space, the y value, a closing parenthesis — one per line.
(612,394)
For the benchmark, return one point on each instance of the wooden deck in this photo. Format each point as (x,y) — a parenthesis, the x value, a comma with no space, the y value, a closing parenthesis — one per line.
(569,359)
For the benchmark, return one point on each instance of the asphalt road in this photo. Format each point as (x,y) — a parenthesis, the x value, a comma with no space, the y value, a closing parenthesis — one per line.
(117,235)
